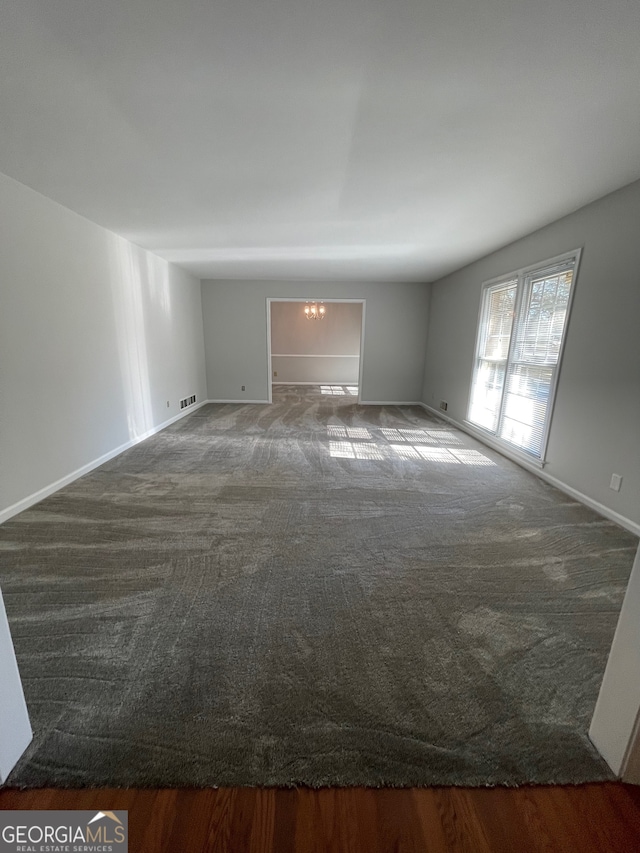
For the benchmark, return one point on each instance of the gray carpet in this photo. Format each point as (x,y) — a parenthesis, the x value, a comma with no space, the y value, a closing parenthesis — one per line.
(313,593)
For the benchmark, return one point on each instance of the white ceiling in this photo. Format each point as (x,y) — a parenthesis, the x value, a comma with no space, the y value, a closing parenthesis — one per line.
(368,139)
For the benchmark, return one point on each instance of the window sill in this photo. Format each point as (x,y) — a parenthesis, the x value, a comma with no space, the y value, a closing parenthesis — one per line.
(502,446)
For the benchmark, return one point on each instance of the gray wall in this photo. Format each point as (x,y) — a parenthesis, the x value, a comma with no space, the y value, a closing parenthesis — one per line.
(595,429)
(316,351)
(96,335)
(315,370)
(337,334)
(235,326)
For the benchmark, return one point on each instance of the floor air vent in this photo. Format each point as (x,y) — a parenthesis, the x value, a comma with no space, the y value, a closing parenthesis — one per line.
(188,401)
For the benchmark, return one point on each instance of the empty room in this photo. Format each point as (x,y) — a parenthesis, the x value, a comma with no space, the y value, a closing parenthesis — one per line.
(320,419)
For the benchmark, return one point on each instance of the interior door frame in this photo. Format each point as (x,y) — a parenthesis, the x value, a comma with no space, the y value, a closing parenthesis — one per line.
(328,301)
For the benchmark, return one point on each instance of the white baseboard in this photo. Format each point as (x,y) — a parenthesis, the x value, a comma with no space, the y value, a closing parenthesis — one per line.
(43,493)
(333,382)
(611,514)
(309,355)
(389,403)
(237,401)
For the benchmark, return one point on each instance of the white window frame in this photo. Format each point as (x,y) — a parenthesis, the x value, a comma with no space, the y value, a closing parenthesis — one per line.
(521,275)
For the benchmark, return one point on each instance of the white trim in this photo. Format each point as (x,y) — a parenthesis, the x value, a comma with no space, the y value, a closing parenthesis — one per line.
(576,254)
(481,323)
(43,493)
(15,733)
(270,299)
(521,277)
(615,723)
(547,262)
(629,770)
(238,401)
(269,364)
(389,403)
(487,437)
(361,362)
(327,301)
(352,384)
(309,355)
(530,465)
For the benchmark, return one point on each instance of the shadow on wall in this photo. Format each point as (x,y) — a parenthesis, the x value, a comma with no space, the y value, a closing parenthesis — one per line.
(140,292)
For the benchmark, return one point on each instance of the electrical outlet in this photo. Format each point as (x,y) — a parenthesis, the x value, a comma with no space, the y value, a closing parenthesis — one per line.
(444,405)
(275,373)
(243,387)
(616,482)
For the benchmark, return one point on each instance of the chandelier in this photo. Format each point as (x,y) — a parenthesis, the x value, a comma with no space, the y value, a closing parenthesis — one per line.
(314,311)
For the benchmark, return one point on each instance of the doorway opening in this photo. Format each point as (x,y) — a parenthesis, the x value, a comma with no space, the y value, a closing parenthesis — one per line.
(316,342)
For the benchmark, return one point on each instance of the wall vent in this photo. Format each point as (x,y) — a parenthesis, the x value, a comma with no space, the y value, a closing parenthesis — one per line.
(188,401)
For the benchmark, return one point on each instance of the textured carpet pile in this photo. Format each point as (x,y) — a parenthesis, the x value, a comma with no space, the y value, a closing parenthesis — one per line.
(314,593)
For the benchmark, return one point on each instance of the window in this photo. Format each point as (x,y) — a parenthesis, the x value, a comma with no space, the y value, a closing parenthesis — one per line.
(523,318)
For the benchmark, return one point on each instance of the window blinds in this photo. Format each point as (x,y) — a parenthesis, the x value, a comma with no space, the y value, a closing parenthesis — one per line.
(520,336)
(493,349)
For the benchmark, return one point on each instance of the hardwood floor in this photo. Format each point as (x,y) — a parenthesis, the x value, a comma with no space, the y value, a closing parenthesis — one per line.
(598,818)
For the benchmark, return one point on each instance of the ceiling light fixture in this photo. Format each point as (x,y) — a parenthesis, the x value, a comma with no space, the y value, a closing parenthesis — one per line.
(314,311)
